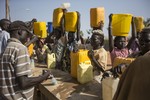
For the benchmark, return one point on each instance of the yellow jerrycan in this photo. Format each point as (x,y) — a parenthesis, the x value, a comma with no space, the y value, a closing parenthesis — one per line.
(121,24)
(76,59)
(85,72)
(71,21)
(96,16)
(51,60)
(121,60)
(30,49)
(139,23)
(57,17)
(40,29)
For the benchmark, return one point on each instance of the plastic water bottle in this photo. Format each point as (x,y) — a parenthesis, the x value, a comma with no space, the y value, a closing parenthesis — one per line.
(53,80)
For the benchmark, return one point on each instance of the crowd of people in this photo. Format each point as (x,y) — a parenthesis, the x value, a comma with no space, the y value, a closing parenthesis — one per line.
(17,81)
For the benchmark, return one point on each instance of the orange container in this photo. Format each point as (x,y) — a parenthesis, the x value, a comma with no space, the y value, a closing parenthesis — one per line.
(139,23)
(96,16)
(57,17)
(76,59)
(121,24)
(30,49)
(71,21)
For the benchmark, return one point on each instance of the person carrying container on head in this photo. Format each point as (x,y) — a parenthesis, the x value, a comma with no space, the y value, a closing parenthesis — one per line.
(118,47)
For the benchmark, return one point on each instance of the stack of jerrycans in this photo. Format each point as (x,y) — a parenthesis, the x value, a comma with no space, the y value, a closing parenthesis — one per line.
(81,67)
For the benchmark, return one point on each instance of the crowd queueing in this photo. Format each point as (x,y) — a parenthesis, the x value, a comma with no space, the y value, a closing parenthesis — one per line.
(17,81)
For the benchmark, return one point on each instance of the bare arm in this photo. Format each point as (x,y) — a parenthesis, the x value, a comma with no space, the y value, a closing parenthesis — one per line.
(27,82)
(78,27)
(111,42)
(94,61)
(133,34)
(34,39)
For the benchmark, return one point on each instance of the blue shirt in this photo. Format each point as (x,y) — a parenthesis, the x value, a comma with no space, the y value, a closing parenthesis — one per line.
(4,36)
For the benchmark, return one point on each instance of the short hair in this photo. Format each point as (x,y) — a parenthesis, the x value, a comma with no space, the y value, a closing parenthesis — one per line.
(118,37)
(2,21)
(18,25)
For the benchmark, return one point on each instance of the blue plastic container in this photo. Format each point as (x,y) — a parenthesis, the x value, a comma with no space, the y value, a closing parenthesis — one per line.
(50,27)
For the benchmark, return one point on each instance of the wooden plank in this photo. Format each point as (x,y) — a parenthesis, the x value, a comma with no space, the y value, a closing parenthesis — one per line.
(67,88)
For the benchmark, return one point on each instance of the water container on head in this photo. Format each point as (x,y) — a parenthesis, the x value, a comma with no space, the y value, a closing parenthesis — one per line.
(71,19)
(57,17)
(40,29)
(96,16)
(139,23)
(121,24)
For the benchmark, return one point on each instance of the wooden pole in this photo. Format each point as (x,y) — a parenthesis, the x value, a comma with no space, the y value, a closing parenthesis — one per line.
(7,10)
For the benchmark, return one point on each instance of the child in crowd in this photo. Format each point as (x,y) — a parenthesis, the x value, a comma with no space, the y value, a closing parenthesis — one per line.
(118,47)
(59,47)
(144,43)
(72,46)
(41,50)
(136,76)
(98,55)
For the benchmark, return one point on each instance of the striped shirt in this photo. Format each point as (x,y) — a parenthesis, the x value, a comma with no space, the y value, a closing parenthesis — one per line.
(15,62)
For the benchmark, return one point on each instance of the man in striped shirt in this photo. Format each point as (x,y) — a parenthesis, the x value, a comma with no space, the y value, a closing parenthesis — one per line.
(16,81)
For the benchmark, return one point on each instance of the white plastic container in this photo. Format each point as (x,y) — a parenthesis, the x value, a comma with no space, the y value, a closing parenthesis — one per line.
(32,64)
(51,60)
(109,86)
(85,72)
(65,5)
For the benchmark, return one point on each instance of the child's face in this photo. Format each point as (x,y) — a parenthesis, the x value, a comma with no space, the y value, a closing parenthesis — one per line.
(121,43)
(95,40)
(145,42)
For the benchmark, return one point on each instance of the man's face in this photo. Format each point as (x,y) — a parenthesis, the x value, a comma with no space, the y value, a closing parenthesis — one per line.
(6,25)
(144,41)
(24,36)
